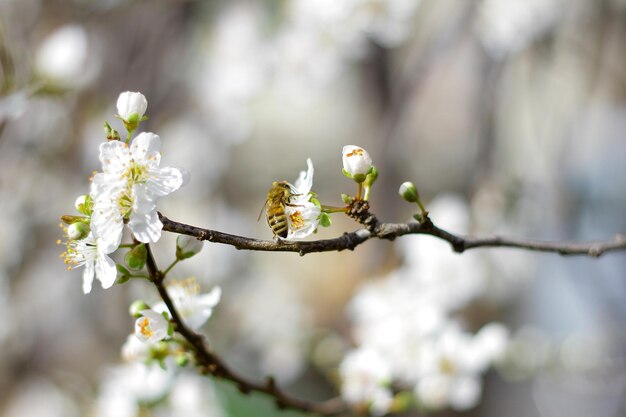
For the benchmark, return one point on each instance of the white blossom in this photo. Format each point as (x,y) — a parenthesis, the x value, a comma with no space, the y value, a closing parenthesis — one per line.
(356,161)
(129,103)
(92,253)
(194,308)
(62,57)
(151,327)
(187,246)
(128,187)
(302,214)
(365,377)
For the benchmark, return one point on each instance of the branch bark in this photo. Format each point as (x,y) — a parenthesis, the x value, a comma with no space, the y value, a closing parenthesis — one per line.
(212,364)
(390,231)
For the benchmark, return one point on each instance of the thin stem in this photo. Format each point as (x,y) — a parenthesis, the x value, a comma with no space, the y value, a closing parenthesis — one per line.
(169,268)
(212,364)
(359,190)
(333,209)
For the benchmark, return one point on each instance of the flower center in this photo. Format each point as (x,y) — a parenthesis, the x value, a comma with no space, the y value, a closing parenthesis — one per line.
(144,327)
(297,221)
(136,173)
(446,366)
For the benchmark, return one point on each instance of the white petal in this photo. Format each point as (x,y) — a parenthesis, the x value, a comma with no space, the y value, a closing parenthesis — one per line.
(465,393)
(88,275)
(164,181)
(129,102)
(210,299)
(144,221)
(106,272)
(107,224)
(114,156)
(146,146)
(304,183)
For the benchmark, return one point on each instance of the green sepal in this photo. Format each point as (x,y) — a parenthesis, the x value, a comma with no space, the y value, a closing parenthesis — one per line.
(122,270)
(371,176)
(346,173)
(170,330)
(69,219)
(110,133)
(359,178)
(122,279)
(316,202)
(325,220)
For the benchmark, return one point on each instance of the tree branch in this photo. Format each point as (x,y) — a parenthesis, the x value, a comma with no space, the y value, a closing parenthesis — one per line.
(390,231)
(210,363)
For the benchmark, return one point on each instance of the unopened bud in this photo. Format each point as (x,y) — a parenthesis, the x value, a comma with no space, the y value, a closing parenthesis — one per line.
(83,204)
(187,246)
(137,307)
(110,133)
(356,162)
(136,257)
(78,230)
(408,191)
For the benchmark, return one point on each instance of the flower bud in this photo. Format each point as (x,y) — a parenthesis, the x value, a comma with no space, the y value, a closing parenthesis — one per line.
(408,192)
(84,205)
(187,246)
(78,230)
(356,162)
(137,307)
(136,257)
(131,106)
(110,133)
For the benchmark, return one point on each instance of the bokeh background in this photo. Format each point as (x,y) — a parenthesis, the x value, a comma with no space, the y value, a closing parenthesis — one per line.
(512,112)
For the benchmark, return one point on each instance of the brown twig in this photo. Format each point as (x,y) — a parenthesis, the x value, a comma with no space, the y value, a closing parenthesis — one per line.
(390,231)
(212,364)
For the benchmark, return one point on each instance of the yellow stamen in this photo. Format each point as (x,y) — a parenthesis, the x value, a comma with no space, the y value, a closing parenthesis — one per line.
(144,327)
(356,152)
(297,222)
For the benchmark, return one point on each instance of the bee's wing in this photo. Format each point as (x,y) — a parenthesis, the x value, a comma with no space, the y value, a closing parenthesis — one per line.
(261,212)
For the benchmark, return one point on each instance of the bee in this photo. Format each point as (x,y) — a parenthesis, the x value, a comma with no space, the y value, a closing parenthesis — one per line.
(278,196)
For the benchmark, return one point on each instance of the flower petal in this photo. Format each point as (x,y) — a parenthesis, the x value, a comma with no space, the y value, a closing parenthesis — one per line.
(145,147)
(164,181)
(114,156)
(144,221)
(88,275)
(106,272)
(305,180)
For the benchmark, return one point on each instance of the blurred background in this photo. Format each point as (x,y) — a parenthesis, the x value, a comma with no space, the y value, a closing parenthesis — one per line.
(508,115)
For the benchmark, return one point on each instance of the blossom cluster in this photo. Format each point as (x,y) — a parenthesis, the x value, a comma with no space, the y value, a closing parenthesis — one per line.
(408,332)
(125,192)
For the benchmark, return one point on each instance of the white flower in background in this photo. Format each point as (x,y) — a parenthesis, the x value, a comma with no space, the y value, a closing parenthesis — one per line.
(187,246)
(62,57)
(356,162)
(302,214)
(151,327)
(129,104)
(452,365)
(134,350)
(366,379)
(128,187)
(194,308)
(127,386)
(92,253)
